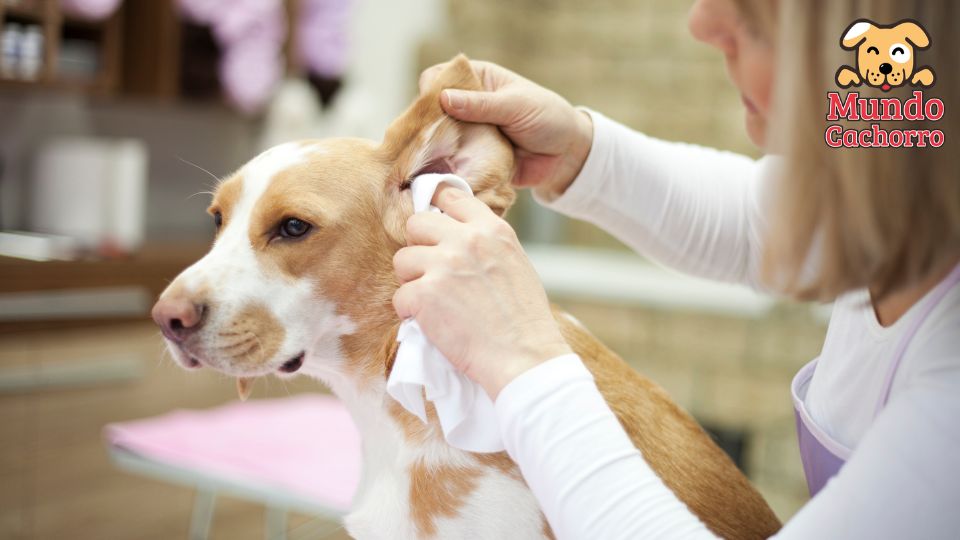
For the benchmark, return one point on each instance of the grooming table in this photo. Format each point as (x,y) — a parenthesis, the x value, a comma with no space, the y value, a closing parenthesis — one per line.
(300,454)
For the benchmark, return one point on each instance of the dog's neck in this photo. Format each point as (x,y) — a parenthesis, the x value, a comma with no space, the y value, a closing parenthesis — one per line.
(367,355)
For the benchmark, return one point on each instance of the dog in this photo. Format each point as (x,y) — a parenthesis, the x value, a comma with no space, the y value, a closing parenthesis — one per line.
(885,55)
(300,280)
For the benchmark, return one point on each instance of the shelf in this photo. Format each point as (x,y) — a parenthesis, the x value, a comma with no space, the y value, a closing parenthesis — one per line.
(151,269)
(56,27)
(31,11)
(63,85)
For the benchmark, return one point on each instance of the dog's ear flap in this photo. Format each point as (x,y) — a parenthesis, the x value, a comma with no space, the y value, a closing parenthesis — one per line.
(424,139)
(915,34)
(854,35)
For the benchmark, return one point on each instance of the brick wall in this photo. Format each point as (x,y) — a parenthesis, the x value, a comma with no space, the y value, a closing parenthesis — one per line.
(632,60)
(635,61)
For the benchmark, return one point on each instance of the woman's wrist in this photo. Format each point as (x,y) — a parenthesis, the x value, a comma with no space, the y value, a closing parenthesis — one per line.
(574,159)
(527,357)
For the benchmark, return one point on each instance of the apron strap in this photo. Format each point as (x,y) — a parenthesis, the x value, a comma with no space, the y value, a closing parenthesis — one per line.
(939,293)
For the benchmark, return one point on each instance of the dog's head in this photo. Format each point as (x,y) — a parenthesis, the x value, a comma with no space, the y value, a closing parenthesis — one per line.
(300,275)
(885,54)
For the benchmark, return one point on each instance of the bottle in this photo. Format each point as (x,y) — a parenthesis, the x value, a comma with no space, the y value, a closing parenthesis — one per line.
(10,50)
(31,53)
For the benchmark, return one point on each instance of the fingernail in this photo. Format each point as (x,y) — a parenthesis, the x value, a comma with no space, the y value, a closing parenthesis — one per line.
(454,99)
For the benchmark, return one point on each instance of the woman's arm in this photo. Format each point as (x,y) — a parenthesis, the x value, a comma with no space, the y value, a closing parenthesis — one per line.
(902,482)
(589,479)
(692,208)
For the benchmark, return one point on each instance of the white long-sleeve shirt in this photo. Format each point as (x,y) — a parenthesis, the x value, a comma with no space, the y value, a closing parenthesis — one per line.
(700,211)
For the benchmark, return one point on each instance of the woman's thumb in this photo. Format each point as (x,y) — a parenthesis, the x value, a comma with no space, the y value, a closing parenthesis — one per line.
(480,107)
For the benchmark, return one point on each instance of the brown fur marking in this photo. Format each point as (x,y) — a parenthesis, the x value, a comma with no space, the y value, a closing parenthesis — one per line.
(253,337)
(438,492)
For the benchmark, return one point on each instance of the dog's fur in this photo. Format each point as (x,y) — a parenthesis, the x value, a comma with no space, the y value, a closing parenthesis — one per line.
(259,300)
(892,46)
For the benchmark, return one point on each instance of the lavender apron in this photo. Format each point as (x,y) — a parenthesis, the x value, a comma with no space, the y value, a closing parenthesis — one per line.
(823,456)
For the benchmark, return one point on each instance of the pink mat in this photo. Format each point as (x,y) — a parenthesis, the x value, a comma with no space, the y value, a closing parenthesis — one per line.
(307,445)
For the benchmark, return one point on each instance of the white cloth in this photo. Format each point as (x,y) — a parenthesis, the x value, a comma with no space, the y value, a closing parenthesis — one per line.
(699,210)
(466,412)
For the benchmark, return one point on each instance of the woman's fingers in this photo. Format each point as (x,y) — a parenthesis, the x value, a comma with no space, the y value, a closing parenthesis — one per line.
(406,300)
(410,263)
(429,228)
(499,107)
(461,206)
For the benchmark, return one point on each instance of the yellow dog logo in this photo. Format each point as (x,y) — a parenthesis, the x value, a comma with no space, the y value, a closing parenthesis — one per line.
(885,55)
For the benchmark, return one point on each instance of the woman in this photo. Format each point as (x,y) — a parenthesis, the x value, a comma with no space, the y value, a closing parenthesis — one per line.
(875,230)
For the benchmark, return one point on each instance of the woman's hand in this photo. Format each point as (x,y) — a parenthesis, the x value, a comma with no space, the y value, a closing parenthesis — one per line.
(551,138)
(467,281)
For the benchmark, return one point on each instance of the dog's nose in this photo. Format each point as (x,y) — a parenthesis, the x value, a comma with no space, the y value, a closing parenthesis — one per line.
(886,68)
(178,317)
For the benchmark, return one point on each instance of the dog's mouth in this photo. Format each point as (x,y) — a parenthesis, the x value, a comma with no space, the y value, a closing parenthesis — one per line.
(294,364)
(245,384)
(886,87)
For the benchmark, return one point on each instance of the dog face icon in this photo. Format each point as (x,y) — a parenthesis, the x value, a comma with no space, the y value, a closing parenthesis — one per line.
(885,55)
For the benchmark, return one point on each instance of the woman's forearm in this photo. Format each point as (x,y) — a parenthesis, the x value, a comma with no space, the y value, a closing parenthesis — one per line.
(695,209)
(588,477)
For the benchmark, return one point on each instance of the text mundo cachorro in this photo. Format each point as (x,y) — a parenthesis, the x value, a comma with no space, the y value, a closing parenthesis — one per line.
(852,107)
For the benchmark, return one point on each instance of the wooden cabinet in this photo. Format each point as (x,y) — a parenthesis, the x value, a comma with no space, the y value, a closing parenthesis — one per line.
(101,38)
(145,50)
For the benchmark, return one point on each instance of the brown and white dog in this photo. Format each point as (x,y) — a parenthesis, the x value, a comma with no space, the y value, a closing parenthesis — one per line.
(300,279)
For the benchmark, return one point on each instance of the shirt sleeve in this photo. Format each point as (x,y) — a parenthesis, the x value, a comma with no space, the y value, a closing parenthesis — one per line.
(591,482)
(691,208)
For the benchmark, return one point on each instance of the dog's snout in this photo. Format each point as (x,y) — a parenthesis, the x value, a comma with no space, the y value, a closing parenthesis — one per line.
(178,317)
(885,68)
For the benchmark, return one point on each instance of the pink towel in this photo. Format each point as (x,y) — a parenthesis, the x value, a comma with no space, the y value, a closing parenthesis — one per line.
(306,444)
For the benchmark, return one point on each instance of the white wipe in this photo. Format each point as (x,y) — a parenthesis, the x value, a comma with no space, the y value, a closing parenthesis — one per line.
(466,412)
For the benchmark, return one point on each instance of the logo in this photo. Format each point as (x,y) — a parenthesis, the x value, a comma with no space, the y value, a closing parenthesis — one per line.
(885,59)
(885,55)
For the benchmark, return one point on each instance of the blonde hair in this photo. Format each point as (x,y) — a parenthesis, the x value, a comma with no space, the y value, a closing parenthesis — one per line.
(847,218)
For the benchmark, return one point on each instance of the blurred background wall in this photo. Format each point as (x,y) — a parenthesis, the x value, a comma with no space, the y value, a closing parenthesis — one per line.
(724,353)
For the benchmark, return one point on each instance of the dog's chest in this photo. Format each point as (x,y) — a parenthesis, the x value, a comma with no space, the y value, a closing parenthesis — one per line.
(437,492)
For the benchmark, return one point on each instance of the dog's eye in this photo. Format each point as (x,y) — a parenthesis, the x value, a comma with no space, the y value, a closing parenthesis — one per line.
(899,53)
(873,50)
(217,220)
(293,228)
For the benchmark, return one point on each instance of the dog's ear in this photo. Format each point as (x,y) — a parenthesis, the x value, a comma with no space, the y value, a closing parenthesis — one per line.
(854,35)
(913,33)
(424,139)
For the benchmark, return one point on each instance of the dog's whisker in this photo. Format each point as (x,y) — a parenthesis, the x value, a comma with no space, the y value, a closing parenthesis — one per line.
(234,345)
(259,343)
(210,193)
(188,162)
(245,352)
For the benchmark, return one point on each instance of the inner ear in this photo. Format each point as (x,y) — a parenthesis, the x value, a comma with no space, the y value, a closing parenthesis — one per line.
(424,140)
(436,151)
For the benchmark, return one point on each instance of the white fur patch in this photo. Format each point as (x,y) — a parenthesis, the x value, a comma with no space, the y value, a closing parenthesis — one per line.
(857,30)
